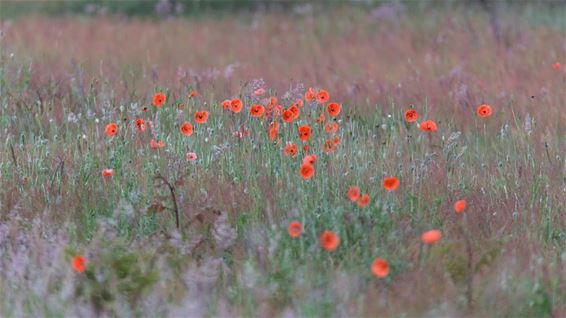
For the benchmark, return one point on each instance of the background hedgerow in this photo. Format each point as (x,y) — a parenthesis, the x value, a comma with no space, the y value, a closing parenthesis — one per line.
(64,79)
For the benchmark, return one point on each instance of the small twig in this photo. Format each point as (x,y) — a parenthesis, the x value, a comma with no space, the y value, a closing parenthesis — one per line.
(13,155)
(547,153)
(173,196)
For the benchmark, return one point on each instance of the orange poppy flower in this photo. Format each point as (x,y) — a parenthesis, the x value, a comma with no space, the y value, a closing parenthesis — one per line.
(140,125)
(329,240)
(307,171)
(431,237)
(111,129)
(354,193)
(291,150)
(411,115)
(309,94)
(79,263)
(257,110)
(299,102)
(107,172)
(186,129)
(236,105)
(304,132)
(153,144)
(380,268)
(288,116)
(191,156)
(322,96)
(460,206)
(158,99)
(259,91)
(484,110)
(226,104)
(295,110)
(321,118)
(390,183)
(556,66)
(429,125)
(331,127)
(306,147)
(310,159)
(333,109)
(295,229)
(329,146)
(201,117)
(363,201)
(273,130)
(193,93)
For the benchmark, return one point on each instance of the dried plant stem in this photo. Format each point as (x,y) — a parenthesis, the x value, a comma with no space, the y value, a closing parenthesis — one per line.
(173,197)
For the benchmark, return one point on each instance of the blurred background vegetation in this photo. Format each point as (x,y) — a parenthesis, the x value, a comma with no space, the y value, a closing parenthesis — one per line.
(545,11)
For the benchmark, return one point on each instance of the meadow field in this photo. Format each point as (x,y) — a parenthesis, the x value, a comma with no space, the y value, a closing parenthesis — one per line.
(354,160)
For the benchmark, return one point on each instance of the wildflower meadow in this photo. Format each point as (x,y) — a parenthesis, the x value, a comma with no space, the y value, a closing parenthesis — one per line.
(282,159)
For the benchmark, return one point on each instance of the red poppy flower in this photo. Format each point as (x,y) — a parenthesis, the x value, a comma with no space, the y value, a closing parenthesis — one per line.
(363,201)
(201,117)
(257,110)
(429,125)
(329,240)
(191,156)
(331,127)
(111,129)
(431,237)
(309,94)
(322,96)
(390,183)
(484,110)
(140,125)
(411,115)
(291,150)
(236,105)
(310,159)
(226,104)
(288,116)
(295,110)
(158,99)
(304,132)
(329,146)
(79,264)
(193,93)
(460,206)
(186,129)
(107,173)
(354,193)
(333,109)
(307,171)
(295,229)
(380,268)
(154,144)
